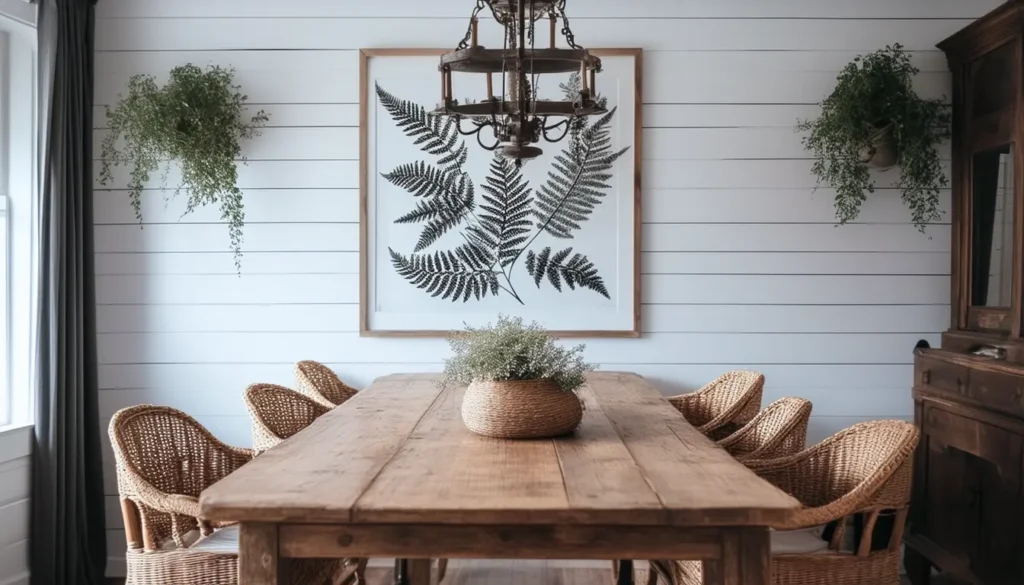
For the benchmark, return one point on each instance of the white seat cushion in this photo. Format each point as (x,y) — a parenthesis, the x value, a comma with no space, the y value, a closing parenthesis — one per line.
(223,541)
(798,542)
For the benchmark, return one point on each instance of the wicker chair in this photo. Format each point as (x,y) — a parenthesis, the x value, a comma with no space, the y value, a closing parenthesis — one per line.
(321,384)
(865,469)
(723,406)
(777,431)
(164,460)
(278,413)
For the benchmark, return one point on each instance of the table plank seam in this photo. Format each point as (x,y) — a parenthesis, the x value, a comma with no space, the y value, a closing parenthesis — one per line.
(398,450)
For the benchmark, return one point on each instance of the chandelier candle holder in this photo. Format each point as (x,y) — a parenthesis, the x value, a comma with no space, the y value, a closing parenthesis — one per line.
(517,118)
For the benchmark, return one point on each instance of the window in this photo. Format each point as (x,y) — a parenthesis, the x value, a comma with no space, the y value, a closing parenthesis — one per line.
(18,177)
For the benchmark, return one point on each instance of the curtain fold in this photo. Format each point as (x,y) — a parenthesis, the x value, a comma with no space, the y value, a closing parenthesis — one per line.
(68,536)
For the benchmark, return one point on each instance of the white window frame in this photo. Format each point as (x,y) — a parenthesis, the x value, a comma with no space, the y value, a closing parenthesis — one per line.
(19,168)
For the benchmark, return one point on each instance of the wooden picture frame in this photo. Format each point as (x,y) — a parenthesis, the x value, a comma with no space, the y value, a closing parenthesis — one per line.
(366,327)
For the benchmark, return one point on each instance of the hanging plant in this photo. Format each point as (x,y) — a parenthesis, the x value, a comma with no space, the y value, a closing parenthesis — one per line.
(196,120)
(874,118)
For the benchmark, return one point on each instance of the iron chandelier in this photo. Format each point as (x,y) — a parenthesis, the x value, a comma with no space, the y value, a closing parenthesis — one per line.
(516,116)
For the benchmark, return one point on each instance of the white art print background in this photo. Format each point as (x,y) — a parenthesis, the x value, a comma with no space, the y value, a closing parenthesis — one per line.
(607,238)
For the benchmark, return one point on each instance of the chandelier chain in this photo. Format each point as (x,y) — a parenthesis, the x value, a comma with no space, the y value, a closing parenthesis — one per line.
(566,31)
(480,5)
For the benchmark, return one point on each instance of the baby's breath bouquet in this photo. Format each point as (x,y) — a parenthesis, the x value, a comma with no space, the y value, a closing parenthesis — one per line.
(511,350)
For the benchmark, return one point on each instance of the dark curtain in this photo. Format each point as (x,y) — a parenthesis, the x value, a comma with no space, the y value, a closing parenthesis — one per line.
(68,540)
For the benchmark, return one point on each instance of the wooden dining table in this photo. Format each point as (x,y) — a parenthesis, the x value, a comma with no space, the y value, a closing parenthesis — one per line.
(394,473)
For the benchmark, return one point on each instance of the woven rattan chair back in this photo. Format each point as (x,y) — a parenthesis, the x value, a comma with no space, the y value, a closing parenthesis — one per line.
(164,457)
(278,413)
(320,383)
(778,430)
(864,470)
(723,406)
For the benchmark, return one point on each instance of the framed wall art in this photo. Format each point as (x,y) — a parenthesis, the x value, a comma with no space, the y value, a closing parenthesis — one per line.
(453,233)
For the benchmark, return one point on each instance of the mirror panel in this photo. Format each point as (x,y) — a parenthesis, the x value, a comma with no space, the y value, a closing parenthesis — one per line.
(992,227)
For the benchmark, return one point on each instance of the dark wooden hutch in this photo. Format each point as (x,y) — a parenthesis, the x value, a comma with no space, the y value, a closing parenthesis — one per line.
(968,505)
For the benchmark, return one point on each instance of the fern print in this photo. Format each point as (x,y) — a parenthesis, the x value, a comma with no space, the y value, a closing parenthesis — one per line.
(500,218)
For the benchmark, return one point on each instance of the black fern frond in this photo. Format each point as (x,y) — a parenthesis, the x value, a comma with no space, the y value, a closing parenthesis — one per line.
(577,271)
(578,182)
(423,180)
(450,275)
(441,214)
(433,134)
(505,211)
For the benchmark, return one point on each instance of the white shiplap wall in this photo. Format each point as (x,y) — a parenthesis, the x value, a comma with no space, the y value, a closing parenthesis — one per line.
(742,266)
(15,509)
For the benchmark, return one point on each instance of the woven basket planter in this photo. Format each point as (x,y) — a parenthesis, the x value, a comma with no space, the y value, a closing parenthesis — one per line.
(520,409)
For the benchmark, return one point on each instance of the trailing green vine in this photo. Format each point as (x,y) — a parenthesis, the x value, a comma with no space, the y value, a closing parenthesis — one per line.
(197,120)
(874,100)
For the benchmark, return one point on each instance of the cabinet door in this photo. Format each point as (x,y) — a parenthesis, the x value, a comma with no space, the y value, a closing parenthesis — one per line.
(974,493)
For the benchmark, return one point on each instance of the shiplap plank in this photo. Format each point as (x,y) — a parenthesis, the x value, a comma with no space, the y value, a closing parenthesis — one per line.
(232,33)
(697,289)
(794,238)
(260,174)
(741,77)
(591,9)
(15,478)
(311,289)
(794,289)
(671,378)
(742,174)
(656,238)
(315,143)
(795,318)
(140,348)
(726,115)
(223,263)
(112,318)
(14,567)
(261,206)
(773,205)
(280,115)
(260,237)
(270,77)
(14,518)
(931,263)
(756,86)
(332,143)
(659,206)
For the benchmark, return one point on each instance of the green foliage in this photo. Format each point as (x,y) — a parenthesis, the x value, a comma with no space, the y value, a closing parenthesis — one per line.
(511,350)
(196,119)
(872,92)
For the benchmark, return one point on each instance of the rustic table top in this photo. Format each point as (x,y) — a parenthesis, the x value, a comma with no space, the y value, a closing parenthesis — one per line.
(399,453)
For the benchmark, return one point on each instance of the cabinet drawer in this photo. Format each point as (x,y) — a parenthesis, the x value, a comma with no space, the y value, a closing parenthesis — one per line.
(996,390)
(944,375)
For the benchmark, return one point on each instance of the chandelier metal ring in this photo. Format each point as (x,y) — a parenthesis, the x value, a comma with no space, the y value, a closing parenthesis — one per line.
(517,115)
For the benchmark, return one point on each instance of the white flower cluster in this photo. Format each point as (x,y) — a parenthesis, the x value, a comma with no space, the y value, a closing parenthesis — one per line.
(511,350)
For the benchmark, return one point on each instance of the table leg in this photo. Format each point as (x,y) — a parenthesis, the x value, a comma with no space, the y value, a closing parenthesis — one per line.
(401,575)
(746,559)
(624,572)
(258,560)
(418,571)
